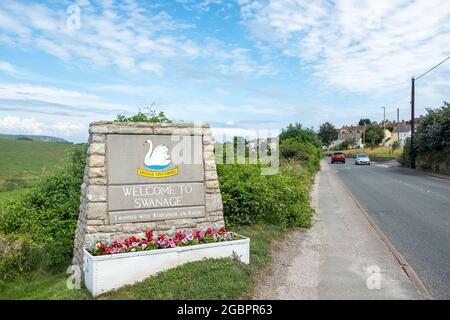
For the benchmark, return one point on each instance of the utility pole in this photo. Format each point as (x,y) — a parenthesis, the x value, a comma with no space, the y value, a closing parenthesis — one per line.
(398,121)
(364,137)
(384,122)
(412,153)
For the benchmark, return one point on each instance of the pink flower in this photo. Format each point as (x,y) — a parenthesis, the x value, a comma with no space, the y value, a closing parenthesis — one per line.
(190,237)
(143,246)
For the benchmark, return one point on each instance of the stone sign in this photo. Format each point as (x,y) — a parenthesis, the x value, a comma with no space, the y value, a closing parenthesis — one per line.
(146,176)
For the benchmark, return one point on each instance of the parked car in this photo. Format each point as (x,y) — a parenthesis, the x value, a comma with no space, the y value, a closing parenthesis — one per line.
(362,158)
(338,157)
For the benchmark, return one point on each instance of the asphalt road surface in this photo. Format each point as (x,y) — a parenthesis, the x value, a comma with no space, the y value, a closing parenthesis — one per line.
(413,210)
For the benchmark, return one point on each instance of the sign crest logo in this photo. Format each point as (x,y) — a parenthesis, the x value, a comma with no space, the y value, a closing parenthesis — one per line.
(156,161)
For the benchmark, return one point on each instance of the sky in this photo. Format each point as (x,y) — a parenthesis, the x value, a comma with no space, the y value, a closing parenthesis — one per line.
(237,64)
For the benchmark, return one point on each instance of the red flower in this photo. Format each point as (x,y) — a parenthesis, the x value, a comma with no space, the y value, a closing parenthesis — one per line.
(162,237)
(221,231)
(209,231)
(149,235)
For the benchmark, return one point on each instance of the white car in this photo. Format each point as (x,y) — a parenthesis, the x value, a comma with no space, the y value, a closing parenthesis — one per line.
(362,158)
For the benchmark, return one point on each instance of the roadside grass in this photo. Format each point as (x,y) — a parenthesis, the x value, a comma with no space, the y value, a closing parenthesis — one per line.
(22,162)
(39,286)
(384,152)
(209,279)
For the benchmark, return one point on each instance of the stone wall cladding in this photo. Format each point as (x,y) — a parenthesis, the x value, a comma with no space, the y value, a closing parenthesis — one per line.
(93,224)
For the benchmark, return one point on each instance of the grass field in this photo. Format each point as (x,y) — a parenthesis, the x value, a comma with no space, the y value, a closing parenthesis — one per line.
(21,162)
(210,279)
(375,152)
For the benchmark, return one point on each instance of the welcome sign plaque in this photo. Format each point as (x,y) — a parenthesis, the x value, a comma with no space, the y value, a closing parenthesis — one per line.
(142,176)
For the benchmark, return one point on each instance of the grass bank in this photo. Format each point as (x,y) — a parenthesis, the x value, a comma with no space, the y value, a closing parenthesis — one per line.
(209,279)
(383,152)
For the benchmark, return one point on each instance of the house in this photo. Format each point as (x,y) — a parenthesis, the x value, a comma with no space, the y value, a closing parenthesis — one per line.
(401,133)
(355,137)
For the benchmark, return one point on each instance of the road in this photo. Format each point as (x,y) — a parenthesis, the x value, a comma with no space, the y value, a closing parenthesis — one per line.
(340,257)
(413,210)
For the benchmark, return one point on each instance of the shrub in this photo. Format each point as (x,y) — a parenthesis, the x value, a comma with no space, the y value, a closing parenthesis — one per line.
(299,133)
(282,199)
(308,154)
(47,214)
(344,145)
(432,142)
(433,132)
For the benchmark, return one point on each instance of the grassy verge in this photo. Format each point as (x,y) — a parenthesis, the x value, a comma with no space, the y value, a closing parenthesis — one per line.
(384,152)
(210,279)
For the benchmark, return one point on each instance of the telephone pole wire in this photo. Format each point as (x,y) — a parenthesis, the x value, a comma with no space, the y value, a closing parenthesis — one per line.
(413,102)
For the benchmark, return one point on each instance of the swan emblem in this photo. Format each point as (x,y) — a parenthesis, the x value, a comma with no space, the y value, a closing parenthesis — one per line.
(158,158)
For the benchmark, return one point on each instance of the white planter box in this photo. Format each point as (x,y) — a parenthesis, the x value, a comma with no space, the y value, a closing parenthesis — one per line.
(110,272)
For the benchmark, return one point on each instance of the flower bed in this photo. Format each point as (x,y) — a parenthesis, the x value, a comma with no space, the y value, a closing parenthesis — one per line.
(110,266)
(150,241)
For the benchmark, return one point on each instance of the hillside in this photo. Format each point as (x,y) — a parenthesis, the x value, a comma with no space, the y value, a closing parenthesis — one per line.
(32,137)
(23,161)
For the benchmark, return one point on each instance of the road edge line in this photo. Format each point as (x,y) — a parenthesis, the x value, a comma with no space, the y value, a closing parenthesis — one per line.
(412,275)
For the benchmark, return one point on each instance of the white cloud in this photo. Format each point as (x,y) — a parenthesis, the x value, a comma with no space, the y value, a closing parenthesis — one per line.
(50,95)
(131,37)
(119,34)
(353,44)
(17,125)
(7,68)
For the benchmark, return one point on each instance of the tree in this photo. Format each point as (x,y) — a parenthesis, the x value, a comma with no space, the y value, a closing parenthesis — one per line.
(148,115)
(374,136)
(433,132)
(298,132)
(327,133)
(344,145)
(365,121)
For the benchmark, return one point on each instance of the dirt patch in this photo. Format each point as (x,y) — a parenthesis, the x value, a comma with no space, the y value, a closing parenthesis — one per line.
(272,278)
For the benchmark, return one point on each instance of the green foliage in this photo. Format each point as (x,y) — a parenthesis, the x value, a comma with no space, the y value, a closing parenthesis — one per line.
(327,133)
(365,121)
(148,115)
(281,199)
(432,142)
(395,145)
(433,132)
(308,154)
(344,145)
(374,136)
(301,134)
(47,213)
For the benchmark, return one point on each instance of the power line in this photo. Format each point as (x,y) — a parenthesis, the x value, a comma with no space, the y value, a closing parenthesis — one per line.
(432,68)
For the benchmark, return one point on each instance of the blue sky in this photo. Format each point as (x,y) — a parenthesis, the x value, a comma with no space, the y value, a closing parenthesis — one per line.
(240,65)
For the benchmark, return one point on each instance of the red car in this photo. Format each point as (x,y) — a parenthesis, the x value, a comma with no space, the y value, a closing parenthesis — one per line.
(338,157)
